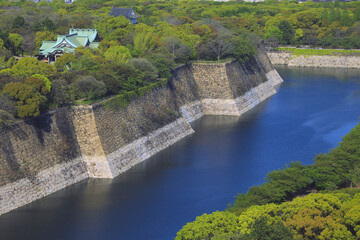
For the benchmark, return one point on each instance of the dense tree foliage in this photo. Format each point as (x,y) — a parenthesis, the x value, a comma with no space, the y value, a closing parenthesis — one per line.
(315,216)
(131,56)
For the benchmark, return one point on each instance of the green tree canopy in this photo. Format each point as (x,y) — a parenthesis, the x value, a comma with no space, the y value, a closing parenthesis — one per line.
(29,66)
(118,54)
(114,28)
(15,41)
(28,100)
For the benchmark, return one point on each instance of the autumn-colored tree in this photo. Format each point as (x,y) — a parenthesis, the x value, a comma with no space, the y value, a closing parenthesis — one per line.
(311,224)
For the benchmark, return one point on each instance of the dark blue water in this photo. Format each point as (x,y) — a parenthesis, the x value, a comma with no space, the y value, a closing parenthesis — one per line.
(200,174)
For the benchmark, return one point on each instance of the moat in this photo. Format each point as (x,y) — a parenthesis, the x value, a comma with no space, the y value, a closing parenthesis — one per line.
(201,173)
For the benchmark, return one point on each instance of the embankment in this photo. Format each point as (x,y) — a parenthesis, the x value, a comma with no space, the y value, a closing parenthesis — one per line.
(291,60)
(57,149)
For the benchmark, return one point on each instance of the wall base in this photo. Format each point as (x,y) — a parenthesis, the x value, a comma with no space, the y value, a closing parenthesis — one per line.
(25,190)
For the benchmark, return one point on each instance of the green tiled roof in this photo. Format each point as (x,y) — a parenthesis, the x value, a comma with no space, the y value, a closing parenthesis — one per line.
(47,44)
(90,33)
(68,43)
(80,41)
(94,45)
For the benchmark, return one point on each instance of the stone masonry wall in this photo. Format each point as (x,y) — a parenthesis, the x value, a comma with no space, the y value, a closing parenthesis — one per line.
(285,58)
(89,142)
(141,117)
(38,157)
(34,145)
(47,153)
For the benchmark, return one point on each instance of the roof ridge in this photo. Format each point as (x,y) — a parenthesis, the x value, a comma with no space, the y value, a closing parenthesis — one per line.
(78,36)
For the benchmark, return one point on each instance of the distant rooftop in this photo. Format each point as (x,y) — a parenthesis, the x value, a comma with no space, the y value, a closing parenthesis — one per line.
(126,12)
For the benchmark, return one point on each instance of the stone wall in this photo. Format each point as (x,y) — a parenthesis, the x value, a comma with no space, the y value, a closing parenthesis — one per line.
(50,152)
(38,157)
(90,144)
(279,58)
(29,147)
(286,58)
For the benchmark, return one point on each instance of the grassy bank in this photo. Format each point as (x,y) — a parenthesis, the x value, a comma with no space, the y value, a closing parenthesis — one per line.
(320,52)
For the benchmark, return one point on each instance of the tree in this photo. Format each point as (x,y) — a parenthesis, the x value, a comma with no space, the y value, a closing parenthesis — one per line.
(208,226)
(351,210)
(299,34)
(63,62)
(118,77)
(273,32)
(118,54)
(15,41)
(264,231)
(85,63)
(163,61)
(48,24)
(243,50)
(111,28)
(27,99)
(40,83)
(89,88)
(60,93)
(357,14)
(181,51)
(325,19)
(43,36)
(287,32)
(334,169)
(143,41)
(218,47)
(18,22)
(28,43)
(346,20)
(29,66)
(311,224)
(2,44)
(144,68)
